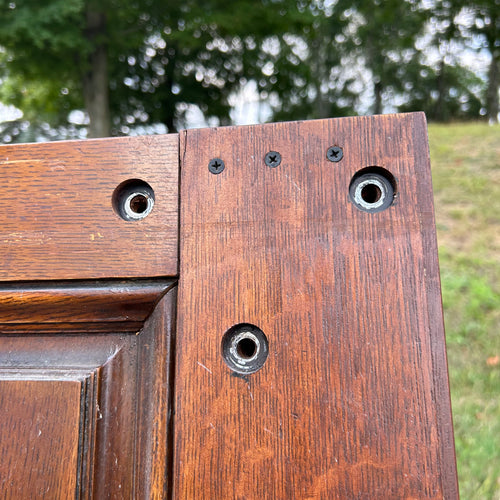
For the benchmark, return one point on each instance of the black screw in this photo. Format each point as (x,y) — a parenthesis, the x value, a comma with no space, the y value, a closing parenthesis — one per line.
(216,165)
(272,159)
(335,153)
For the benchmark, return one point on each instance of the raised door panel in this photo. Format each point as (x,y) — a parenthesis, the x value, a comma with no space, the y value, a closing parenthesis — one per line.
(87,415)
(39,437)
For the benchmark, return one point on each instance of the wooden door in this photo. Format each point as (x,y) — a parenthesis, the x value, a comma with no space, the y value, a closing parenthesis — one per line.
(263,322)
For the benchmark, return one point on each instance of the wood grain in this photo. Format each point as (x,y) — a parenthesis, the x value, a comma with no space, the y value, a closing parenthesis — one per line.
(73,306)
(353,400)
(102,404)
(59,221)
(39,437)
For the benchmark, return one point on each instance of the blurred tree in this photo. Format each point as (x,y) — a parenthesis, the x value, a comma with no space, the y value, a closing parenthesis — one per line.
(133,64)
(444,92)
(315,85)
(486,25)
(381,36)
(438,82)
(207,52)
(475,24)
(57,56)
(38,69)
(128,63)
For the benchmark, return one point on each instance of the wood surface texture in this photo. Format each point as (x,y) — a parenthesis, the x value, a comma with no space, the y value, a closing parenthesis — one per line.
(39,438)
(88,415)
(59,222)
(353,401)
(113,383)
(78,306)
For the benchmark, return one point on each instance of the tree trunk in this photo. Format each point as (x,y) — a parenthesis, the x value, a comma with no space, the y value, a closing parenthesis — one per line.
(320,69)
(377,88)
(168,104)
(440,114)
(169,123)
(95,79)
(492,106)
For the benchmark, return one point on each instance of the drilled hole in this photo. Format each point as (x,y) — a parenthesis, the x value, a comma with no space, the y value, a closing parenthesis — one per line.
(133,200)
(139,204)
(371,193)
(372,189)
(246,348)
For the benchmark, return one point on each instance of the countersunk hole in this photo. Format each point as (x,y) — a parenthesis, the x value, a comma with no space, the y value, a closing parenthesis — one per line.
(372,189)
(371,193)
(133,200)
(246,348)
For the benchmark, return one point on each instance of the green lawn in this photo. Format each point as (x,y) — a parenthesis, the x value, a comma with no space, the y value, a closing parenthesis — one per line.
(466,176)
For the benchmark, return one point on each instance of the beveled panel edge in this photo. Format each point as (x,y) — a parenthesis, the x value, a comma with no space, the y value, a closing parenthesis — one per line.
(79,306)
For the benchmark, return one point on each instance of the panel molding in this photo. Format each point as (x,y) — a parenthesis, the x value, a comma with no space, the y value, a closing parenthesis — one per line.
(122,419)
(79,305)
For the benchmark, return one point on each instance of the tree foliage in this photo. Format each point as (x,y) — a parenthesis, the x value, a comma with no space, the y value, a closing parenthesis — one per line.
(131,64)
(159,58)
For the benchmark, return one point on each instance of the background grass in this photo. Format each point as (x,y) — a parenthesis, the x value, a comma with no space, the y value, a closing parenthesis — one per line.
(466,176)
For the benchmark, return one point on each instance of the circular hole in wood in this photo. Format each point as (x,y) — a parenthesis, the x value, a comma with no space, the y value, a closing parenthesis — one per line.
(371,193)
(133,200)
(372,189)
(245,348)
(139,204)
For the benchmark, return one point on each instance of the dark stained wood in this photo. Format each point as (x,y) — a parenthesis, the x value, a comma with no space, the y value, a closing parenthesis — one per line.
(353,400)
(154,424)
(72,306)
(87,416)
(39,427)
(59,222)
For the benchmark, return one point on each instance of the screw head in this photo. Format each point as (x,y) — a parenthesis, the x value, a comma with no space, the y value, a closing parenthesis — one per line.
(216,165)
(272,159)
(335,153)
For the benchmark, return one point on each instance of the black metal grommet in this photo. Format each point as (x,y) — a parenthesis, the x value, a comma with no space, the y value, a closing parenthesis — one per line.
(372,191)
(245,348)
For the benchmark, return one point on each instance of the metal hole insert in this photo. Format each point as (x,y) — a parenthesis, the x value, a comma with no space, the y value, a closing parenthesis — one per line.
(371,192)
(133,200)
(245,348)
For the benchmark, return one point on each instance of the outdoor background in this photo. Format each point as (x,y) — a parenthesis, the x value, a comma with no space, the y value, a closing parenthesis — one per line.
(93,68)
